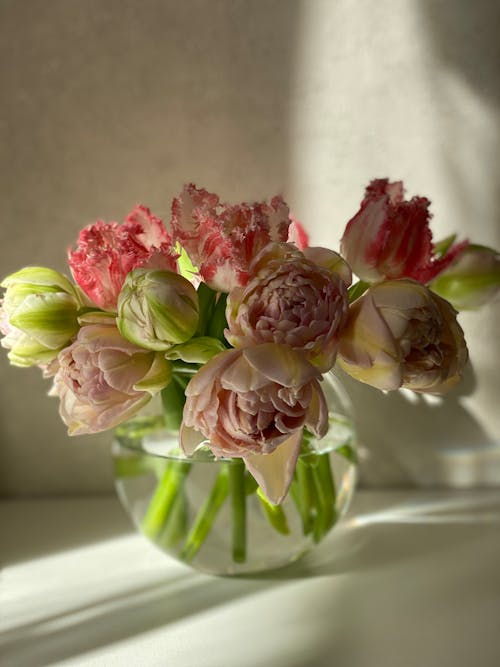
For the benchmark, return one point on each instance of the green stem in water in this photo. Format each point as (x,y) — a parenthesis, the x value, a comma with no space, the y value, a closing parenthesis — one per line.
(325,495)
(238,510)
(162,502)
(176,525)
(274,513)
(302,492)
(206,516)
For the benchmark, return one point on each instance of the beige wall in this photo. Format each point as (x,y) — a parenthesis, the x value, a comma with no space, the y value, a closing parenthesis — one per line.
(113,102)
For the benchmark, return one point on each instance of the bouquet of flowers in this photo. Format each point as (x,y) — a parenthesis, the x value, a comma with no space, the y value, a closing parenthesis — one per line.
(233,319)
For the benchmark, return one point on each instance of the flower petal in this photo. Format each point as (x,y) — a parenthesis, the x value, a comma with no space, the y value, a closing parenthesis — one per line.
(190,439)
(274,472)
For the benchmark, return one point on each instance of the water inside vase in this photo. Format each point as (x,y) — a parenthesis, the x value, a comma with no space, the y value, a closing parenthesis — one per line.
(185,505)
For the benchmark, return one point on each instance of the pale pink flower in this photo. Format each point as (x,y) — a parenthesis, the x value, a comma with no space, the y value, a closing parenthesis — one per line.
(101,379)
(292,301)
(222,239)
(400,334)
(253,403)
(107,252)
(391,238)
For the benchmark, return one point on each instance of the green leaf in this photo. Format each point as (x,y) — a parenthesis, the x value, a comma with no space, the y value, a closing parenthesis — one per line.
(348,452)
(196,351)
(173,399)
(357,290)
(186,267)
(206,305)
(441,247)
(218,321)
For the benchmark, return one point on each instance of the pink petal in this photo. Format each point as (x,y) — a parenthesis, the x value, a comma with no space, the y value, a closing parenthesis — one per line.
(274,472)
(190,439)
(297,234)
(280,364)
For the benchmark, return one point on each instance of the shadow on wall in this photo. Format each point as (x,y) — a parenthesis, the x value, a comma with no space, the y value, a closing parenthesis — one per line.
(427,440)
(463,39)
(410,439)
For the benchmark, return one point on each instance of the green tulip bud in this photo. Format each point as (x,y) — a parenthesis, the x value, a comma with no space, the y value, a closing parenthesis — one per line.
(472,280)
(157,309)
(39,315)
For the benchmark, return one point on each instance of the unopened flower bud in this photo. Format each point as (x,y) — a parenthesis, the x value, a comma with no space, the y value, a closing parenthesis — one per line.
(38,315)
(472,280)
(157,309)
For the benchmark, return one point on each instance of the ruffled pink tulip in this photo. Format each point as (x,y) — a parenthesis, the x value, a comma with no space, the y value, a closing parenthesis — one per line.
(107,252)
(390,237)
(221,239)
(400,334)
(102,379)
(253,403)
(290,300)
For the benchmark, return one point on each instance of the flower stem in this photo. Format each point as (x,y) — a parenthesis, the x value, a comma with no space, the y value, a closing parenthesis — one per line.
(238,510)
(162,502)
(274,513)
(206,516)
(325,497)
(176,525)
(302,491)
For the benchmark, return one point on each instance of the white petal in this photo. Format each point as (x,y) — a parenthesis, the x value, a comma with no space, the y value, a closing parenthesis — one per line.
(274,472)
(190,439)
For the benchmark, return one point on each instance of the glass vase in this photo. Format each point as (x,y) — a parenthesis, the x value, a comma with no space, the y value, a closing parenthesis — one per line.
(210,513)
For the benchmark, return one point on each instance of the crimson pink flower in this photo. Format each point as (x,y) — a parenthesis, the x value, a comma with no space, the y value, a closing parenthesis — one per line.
(107,252)
(253,403)
(390,237)
(222,239)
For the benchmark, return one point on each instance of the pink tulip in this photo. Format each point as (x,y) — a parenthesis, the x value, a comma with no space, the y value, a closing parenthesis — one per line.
(222,239)
(290,300)
(253,403)
(400,334)
(107,252)
(390,237)
(102,379)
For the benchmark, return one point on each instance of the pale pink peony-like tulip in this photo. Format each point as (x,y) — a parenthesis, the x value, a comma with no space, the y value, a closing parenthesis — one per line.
(400,334)
(390,238)
(102,379)
(253,403)
(107,252)
(290,300)
(222,239)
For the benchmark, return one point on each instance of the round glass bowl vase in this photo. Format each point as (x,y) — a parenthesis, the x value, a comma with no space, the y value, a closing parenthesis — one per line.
(210,514)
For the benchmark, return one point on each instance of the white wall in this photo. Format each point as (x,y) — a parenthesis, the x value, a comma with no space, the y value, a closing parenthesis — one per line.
(109,103)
